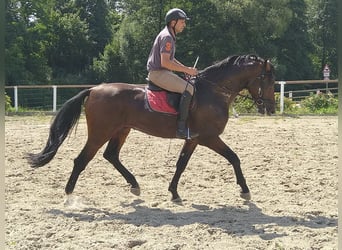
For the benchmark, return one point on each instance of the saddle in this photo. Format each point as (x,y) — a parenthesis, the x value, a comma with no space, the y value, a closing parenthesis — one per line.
(160,100)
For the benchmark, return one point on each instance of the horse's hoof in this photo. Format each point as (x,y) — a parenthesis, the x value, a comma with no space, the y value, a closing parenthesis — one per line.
(246,196)
(177,200)
(135,191)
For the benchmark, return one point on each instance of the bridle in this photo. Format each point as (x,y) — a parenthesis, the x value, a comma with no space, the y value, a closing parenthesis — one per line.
(260,101)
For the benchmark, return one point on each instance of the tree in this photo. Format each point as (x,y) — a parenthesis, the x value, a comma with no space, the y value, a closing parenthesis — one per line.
(323,33)
(125,57)
(110,67)
(95,14)
(68,50)
(203,35)
(294,47)
(25,44)
(253,26)
(75,41)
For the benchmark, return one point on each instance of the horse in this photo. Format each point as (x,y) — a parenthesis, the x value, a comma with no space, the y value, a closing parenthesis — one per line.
(113,109)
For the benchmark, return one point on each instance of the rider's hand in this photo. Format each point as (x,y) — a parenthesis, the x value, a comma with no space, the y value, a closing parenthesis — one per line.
(192,71)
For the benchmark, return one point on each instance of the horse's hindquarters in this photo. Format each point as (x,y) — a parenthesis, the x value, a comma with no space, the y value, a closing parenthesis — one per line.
(111,107)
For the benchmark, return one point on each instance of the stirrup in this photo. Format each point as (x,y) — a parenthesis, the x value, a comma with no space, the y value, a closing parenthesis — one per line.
(186,134)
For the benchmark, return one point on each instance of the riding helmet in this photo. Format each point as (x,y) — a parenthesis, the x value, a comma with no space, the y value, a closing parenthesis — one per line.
(175,14)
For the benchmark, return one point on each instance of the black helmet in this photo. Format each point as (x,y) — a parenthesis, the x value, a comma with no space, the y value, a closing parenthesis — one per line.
(175,14)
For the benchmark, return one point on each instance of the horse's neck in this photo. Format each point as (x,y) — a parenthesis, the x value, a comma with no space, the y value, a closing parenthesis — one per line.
(224,91)
(230,88)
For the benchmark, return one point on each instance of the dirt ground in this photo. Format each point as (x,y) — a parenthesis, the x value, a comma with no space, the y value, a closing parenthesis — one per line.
(290,165)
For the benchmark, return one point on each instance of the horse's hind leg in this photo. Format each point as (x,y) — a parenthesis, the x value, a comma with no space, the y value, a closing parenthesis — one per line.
(112,155)
(221,148)
(183,160)
(87,153)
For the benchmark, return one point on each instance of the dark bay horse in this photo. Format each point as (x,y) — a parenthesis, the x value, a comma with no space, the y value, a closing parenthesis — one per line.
(112,110)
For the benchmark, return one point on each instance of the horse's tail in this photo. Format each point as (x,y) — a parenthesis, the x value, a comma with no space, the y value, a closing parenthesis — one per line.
(65,120)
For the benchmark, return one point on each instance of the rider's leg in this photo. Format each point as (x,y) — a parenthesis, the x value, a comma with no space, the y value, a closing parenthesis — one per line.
(172,82)
(182,128)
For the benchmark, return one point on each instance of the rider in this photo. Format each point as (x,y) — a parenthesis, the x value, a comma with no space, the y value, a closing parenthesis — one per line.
(161,62)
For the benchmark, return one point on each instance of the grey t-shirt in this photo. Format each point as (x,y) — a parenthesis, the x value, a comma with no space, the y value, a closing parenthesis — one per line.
(164,43)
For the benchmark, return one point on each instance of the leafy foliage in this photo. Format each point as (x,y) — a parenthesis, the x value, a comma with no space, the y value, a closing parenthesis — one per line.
(244,105)
(314,104)
(7,102)
(90,41)
(322,24)
(321,103)
(290,106)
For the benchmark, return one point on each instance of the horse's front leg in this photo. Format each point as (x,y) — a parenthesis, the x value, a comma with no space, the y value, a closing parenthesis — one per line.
(187,150)
(221,148)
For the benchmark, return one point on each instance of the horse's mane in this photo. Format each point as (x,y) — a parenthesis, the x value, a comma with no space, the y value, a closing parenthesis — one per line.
(234,60)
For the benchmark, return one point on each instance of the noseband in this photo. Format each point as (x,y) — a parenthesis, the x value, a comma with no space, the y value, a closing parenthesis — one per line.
(260,101)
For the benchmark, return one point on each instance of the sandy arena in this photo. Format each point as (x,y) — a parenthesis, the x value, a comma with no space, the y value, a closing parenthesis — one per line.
(290,165)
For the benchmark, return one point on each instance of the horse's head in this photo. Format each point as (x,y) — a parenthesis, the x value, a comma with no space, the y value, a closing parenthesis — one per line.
(235,73)
(261,87)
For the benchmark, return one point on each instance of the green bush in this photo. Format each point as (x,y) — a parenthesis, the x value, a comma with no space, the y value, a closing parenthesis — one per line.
(244,105)
(320,103)
(8,105)
(290,106)
(314,104)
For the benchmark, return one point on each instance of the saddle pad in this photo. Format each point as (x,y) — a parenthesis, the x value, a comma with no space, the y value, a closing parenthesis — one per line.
(157,101)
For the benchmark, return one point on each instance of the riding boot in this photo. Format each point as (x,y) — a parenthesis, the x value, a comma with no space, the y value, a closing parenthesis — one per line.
(182,131)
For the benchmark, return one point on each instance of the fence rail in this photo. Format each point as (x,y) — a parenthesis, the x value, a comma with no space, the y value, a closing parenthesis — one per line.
(47,99)
(53,96)
(293,94)
(283,83)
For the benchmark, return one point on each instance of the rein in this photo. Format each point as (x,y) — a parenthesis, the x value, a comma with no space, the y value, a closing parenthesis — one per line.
(259,101)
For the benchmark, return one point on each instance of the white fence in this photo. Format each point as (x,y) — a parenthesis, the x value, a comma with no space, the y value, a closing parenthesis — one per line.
(54,96)
(311,82)
(42,97)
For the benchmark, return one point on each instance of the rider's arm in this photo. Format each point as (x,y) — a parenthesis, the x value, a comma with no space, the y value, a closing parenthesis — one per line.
(174,65)
(178,62)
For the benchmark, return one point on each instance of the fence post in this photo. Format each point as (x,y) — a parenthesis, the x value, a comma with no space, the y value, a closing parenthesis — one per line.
(282,93)
(54,104)
(16,98)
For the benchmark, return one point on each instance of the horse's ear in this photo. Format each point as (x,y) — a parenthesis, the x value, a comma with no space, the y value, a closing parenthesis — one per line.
(268,65)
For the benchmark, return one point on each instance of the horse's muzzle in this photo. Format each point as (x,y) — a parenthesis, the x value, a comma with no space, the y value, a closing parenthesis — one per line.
(265,106)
